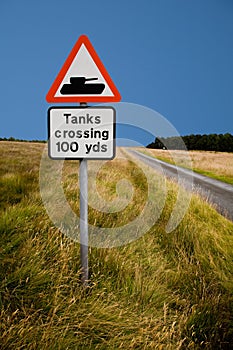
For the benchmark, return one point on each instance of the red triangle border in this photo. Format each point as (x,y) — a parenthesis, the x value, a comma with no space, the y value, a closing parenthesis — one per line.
(50,97)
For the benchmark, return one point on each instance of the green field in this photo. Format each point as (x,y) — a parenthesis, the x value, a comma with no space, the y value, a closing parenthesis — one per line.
(163,291)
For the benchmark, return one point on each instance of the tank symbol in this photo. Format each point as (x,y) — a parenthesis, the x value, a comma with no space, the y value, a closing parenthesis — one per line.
(78,86)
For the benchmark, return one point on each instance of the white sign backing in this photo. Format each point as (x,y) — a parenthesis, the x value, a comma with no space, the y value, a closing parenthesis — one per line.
(81,132)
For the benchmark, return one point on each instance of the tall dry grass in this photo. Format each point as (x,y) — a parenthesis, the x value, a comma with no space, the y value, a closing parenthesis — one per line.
(162,291)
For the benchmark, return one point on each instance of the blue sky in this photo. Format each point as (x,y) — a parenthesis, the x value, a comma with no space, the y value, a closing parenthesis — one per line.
(172,56)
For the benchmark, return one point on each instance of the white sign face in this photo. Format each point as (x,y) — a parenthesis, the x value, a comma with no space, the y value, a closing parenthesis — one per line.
(88,78)
(81,132)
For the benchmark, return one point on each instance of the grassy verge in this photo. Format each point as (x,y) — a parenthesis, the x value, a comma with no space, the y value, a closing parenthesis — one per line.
(163,291)
(224,178)
(217,165)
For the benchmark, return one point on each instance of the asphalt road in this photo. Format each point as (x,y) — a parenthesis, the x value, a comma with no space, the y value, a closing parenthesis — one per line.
(215,192)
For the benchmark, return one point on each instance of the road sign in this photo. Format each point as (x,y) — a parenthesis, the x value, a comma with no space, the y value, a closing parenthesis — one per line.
(81,132)
(83,77)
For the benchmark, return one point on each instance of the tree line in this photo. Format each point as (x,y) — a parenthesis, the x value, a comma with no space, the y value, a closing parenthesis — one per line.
(19,140)
(211,142)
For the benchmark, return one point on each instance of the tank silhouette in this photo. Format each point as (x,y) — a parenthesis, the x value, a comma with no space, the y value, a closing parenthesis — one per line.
(78,86)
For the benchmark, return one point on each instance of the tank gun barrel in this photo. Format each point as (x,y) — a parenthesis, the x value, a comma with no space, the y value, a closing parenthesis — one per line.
(80,80)
(88,79)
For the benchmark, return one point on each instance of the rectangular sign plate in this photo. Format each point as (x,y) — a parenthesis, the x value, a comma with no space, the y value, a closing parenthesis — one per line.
(81,132)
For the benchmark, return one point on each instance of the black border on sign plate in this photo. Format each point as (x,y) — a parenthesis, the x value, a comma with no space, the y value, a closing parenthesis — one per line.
(83,107)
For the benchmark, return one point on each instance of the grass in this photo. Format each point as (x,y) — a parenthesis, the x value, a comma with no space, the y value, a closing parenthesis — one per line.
(162,291)
(218,165)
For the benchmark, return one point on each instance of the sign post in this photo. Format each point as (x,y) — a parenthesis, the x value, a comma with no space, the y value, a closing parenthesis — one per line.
(82,132)
(83,200)
(83,191)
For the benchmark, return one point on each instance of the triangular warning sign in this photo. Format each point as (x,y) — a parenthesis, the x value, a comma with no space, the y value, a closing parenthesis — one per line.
(83,77)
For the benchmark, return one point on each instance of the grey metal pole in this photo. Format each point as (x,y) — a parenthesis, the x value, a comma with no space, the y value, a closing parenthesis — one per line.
(83,188)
